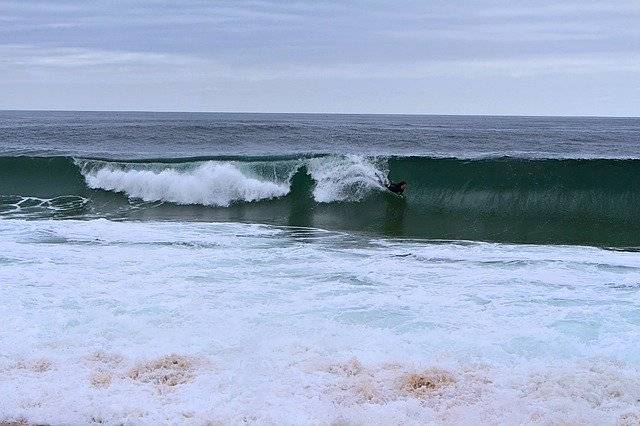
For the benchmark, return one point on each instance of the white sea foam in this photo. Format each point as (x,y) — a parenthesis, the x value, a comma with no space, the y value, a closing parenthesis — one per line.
(21,206)
(156,323)
(346,178)
(215,183)
(210,183)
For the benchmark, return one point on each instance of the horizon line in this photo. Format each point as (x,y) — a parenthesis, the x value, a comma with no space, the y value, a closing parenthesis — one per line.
(319,113)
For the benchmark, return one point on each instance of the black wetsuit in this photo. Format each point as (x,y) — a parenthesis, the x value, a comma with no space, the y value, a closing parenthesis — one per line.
(396,188)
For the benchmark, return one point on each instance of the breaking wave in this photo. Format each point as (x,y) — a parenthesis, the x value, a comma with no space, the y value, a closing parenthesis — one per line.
(210,183)
(222,183)
(548,201)
(348,178)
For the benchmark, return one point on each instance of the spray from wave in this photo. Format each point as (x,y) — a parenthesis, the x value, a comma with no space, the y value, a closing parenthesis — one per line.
(349,178)
(220,183)
(210,183)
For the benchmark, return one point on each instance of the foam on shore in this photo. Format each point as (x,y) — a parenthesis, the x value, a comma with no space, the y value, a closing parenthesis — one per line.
(165,322)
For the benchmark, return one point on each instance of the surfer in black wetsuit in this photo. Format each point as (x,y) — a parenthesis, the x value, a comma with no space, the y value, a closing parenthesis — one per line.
(397,187)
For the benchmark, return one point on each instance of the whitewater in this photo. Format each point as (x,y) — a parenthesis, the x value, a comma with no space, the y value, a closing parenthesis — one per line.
(221,183)
(153,323)
(252,269)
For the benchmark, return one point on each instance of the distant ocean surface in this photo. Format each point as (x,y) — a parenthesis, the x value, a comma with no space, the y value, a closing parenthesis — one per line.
(251,268)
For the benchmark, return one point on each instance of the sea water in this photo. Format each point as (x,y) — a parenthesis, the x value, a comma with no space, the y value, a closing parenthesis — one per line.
(215,275)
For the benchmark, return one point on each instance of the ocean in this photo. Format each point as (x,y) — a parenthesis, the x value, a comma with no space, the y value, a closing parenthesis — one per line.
(204,268)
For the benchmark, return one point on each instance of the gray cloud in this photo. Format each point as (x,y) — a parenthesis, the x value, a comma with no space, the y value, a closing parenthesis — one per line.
(241,54)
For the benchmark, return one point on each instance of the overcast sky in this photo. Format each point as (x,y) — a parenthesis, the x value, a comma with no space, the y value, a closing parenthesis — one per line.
(433,57)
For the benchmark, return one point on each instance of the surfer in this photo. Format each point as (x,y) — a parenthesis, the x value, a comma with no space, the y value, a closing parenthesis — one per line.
(396,187)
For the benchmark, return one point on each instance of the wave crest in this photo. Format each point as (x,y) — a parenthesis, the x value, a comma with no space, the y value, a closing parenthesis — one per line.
(349,178)
(210,183)
(221,183)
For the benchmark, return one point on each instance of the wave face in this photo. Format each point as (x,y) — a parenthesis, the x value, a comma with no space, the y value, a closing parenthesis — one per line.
(558,201)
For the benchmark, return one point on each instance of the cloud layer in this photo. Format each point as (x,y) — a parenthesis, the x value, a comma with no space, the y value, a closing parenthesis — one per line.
(484,57)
